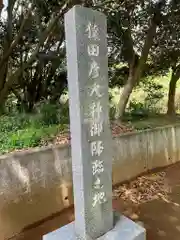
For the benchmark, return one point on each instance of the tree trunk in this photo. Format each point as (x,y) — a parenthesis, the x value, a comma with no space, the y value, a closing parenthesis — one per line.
(124,97)
(3,97)
(2,105)
(135,71)
(171,96)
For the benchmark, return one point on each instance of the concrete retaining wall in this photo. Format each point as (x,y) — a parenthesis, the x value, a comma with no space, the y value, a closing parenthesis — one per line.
(37,183)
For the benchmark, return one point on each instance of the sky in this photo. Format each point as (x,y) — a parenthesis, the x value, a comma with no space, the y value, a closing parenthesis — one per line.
(5,2)
(3,14)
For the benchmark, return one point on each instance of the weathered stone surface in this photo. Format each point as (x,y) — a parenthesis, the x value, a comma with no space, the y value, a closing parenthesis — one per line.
(91,141)
(124,229)
(86,45)
(20,208)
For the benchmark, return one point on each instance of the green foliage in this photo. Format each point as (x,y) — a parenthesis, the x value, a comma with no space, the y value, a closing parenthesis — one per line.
(112,113)
(52,114)
(27,138)
(118,75)
(13,123)
(44,75)
(48,114)
(63,113)
(112,110)
(137,109)
(153,94)
(19,131)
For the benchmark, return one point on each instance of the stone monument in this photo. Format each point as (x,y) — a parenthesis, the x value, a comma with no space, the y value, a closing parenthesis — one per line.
(87,64)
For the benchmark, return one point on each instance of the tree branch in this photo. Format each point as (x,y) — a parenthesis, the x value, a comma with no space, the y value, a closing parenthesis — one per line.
(149,40)
(43,38)
(16,40)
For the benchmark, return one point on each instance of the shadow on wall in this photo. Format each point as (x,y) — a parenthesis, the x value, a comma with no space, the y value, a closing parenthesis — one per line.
(33,186)
(38,183)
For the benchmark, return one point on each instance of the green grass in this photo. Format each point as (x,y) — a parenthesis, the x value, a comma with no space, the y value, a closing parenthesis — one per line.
(19,131)
(153,114)
(139,94)
(28,137)
(152,122)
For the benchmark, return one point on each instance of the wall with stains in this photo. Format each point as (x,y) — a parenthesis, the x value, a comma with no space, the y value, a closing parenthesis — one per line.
(37,183)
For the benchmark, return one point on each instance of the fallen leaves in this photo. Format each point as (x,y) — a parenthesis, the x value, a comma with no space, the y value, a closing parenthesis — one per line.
(62,138)
(144,189)
(117,129)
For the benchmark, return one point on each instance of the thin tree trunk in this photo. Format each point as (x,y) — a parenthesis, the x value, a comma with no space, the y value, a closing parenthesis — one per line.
(135,72)
(2,104)
(124,97)
(171,96)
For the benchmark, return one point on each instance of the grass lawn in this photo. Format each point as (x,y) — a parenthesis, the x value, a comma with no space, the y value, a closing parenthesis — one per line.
(140,93)
(32,136)
(154,121)
(24,131)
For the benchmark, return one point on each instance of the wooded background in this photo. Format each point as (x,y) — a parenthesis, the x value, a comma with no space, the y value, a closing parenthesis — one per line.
(144,56)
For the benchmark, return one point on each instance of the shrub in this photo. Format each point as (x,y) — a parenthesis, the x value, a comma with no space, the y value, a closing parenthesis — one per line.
(138,109)
(112,113)
(28,138)
(48,114)
(63,113)
(13,123)
(154,95)
(149,103)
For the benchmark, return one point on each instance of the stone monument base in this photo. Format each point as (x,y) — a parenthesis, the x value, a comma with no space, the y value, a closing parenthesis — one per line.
(124,229)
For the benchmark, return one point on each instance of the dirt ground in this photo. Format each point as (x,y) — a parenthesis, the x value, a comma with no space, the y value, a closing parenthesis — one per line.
(160,216)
